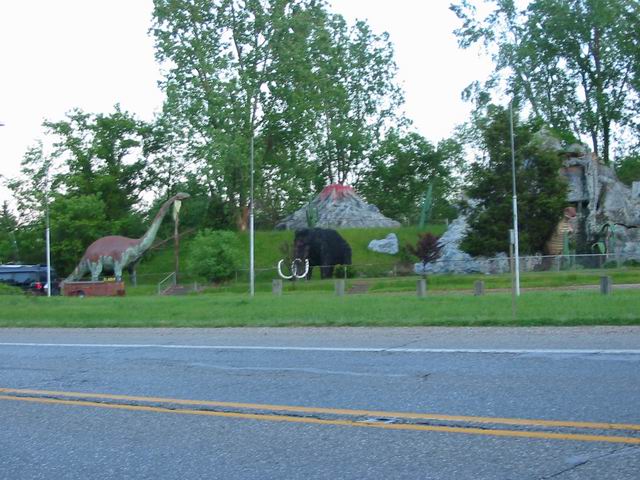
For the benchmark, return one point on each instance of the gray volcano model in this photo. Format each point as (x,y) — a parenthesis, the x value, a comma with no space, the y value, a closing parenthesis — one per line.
(337,206)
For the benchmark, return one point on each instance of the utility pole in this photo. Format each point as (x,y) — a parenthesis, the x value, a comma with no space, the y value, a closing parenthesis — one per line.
(514,205)
(252,279)
(48,234)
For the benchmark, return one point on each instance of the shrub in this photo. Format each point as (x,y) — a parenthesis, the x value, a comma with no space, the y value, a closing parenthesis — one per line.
(10,290)
(214,255)
(427,248)
(344,271)
(404,255)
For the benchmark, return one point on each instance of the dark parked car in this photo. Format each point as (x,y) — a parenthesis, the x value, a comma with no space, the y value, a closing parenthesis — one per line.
(31,278)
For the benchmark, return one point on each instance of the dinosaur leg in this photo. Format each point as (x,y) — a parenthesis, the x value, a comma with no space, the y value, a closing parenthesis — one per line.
(132,274)
(117,271)
(96,270)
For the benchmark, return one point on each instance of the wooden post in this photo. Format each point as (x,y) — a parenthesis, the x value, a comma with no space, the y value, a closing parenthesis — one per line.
(478,288)
(421,287)
(606,285)
(340,287)
(276,286)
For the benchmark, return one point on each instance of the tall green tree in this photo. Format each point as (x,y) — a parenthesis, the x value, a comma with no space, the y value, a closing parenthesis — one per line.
(541,191)
(628,169)
(308,90)
(9,251)
(31,189)
(358,99)
(91,182)
(401,169)
(32,193)
(103,155)
(575,63)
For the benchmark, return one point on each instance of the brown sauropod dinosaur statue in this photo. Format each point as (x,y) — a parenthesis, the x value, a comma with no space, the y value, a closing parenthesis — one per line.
(115,253)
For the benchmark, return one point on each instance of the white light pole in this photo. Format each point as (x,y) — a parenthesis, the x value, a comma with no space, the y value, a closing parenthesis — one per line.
(48,239)
(252,286)
(515,204)
(48,234)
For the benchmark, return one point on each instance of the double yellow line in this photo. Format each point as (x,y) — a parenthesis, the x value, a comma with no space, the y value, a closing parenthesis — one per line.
(374,418)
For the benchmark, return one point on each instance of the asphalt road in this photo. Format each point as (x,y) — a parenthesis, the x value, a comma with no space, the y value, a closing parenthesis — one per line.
(424,403)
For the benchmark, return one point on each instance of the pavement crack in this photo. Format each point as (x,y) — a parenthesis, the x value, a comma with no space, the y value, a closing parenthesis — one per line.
(587,460)
(402,345)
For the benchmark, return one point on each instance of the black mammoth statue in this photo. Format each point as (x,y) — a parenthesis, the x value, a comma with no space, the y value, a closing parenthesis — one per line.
(322,247)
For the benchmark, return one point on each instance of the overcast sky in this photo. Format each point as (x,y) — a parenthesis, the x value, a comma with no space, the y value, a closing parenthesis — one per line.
(56,55)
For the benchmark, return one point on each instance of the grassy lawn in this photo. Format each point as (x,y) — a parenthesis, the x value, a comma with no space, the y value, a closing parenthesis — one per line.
(439,283)
(158,263)
(323,309)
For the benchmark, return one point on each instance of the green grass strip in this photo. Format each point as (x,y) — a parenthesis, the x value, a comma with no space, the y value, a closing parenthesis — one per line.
(324,309)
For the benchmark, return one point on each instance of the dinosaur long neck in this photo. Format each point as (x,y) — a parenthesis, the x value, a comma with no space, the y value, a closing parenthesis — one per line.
(147,239)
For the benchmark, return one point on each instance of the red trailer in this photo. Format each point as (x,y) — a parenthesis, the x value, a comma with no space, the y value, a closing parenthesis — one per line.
(93,289)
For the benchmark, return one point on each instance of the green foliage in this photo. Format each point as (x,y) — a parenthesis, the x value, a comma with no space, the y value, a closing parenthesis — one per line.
(271,246)
(400,170)
(10,290)
(575,64)
(200,211)
(9,252)
(31,191)
(628,169)
(314,94)
(357,99)
(344,271)
(92,182)
(76,222)
(541,191)
(311,213)
(405,255)
(103,156)
(214,255)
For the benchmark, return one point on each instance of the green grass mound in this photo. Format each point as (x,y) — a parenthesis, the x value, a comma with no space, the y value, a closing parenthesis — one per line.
(159,263)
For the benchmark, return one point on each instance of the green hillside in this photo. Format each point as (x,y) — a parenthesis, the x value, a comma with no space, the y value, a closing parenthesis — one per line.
(160,262)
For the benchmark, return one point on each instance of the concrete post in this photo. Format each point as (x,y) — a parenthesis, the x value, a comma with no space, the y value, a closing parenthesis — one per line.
(606,285)
(339,286)
(421,288)
(276,286)
(478,288)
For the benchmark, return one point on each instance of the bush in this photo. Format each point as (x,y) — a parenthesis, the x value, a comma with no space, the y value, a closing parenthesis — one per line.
(344,271)
(214,255)
(427,248)
(10,290)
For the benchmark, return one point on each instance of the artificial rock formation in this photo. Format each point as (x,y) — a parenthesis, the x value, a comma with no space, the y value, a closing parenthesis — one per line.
(337,206)
(115,253)
(388,245)
(603,216)
(608,212)
(455,260)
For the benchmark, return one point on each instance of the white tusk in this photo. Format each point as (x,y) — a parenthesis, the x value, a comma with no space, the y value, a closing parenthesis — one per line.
(280,271)
(306,268)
